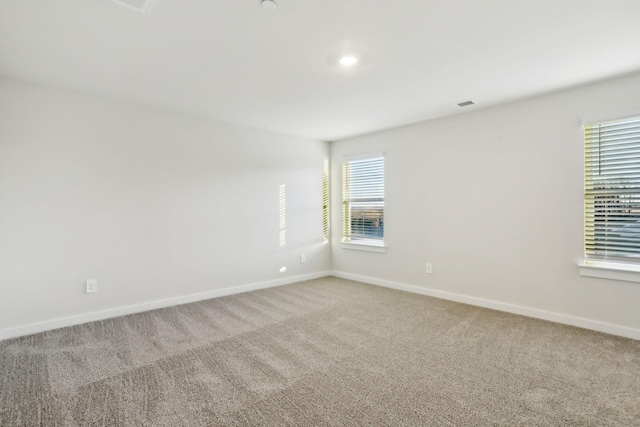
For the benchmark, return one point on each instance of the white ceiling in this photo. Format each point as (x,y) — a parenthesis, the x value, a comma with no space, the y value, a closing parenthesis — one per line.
(233,61)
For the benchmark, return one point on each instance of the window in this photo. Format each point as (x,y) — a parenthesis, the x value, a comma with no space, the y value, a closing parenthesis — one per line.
(363,200)
(325,201)
(612,191)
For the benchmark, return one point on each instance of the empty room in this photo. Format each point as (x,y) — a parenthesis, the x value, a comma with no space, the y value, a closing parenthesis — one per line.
(319,213)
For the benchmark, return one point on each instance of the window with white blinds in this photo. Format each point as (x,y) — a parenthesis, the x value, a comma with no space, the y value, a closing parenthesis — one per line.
(363,200)
(325,201)
(612,190)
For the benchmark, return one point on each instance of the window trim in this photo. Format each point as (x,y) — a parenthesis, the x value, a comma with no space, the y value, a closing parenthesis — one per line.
(367,245)
(606,268)
(326,201)
(610,270)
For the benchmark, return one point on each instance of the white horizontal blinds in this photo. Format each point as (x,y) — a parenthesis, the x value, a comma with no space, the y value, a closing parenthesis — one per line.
(325,201)
(612,190)
(363,200)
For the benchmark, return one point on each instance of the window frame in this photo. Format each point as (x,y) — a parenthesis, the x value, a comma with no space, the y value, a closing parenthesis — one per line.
(326,202)
(348,241)
(602,265)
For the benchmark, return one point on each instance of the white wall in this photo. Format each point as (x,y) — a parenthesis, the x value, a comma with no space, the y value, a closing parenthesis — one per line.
(494,199)
(158,205)
(151,203)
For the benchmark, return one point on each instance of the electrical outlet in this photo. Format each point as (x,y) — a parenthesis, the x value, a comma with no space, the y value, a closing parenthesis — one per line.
(303,258)
(92,286)
(429,268)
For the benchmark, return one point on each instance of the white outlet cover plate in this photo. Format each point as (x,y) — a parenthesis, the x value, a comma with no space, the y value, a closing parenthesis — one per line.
(92,286)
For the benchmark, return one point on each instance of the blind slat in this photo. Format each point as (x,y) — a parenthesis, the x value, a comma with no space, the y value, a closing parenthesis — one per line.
(363,199)
(325,201)
(612,189)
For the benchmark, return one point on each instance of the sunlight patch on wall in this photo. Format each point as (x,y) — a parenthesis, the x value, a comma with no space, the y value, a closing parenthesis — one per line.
(283,215)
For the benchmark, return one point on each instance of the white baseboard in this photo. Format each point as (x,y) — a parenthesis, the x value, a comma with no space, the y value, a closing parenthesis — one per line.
(500,306)
(152,305)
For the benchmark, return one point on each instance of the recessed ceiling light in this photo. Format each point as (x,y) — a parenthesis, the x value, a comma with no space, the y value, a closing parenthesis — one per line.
(269,4)
(348,61)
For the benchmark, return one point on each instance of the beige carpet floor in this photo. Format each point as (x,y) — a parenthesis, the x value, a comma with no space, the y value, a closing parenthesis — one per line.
(327,352)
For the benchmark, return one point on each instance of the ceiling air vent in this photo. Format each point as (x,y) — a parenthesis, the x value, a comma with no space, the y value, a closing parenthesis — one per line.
(139,5)
(464,104)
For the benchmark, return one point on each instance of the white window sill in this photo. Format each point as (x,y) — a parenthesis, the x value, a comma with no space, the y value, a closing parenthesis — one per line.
(364,247)
(610,270)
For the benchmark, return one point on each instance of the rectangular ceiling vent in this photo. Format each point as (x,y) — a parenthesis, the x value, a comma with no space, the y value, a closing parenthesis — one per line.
(139,5)
(464,104)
